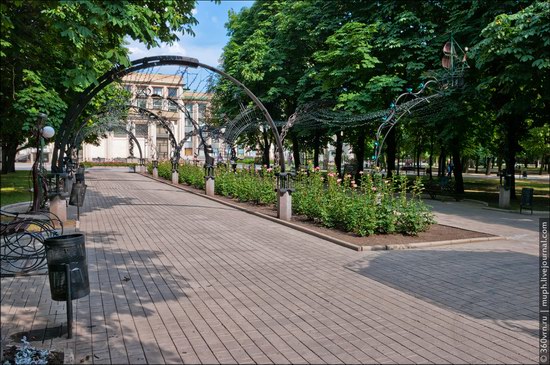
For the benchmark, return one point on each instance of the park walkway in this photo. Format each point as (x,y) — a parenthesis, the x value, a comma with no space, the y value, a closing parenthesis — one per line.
(177,278)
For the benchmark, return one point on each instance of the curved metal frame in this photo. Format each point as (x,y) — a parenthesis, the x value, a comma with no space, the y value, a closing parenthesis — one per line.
(397,111)
(132,136)
(118,72)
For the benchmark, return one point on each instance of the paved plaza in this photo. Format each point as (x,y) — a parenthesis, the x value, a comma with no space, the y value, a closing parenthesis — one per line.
(177,278)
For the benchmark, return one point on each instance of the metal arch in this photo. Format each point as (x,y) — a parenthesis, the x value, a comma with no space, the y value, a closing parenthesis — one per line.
(398,110)
(77,141)
(197,128)
(175,147)
(117,72)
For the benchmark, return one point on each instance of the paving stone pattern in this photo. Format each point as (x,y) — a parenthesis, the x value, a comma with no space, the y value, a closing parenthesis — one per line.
(176,278)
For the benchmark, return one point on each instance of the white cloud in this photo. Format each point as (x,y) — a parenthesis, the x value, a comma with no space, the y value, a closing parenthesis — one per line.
(209,55)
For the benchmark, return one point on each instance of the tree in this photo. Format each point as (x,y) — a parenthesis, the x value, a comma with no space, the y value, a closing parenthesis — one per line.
(514,58)
(51,50)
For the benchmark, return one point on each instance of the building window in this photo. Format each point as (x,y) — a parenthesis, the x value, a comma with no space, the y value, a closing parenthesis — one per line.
(119,132)
(172,92)
(188,126)
(128,88)
(142,92)
(158,91)
(188,111)
(141,103)
(202,114)
(157,103)
(142,130)
(172,107)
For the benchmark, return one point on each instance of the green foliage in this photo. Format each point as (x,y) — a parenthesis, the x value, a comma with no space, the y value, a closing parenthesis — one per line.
(377,206)
(247,185)
(51,50)
(15,187)
(188,174)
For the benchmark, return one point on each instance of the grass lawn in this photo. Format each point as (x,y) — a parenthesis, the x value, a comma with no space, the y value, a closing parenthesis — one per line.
(487,190)
(15,186)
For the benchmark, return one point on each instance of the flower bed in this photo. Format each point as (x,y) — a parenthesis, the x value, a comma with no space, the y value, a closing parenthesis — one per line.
(376,206)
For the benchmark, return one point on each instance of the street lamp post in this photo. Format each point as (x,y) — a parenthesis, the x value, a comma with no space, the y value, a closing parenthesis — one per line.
(42,132)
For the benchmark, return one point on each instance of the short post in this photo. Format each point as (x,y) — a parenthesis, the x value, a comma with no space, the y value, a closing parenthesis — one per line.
(209,177)
(142,165)
(58,206)
(504,192)
(175,173)
(284,197)
(155,168)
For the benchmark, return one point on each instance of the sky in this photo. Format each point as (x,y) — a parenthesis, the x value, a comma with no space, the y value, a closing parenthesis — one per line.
(210,34)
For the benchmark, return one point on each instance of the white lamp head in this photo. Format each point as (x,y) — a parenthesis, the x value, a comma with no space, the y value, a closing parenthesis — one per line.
(48,132)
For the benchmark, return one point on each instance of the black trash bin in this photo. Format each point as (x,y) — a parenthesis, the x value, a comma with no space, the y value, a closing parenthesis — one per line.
(67,249)
(79,175)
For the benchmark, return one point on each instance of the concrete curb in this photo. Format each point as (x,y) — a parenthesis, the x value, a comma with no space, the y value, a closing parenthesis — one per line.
(327,237)
(535,212)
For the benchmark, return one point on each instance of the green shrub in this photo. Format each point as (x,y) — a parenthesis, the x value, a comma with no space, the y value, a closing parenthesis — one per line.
(374,206)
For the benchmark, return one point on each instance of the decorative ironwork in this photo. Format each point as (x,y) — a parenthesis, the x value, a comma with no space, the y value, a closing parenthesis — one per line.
(22,237)
(285,182)
(454,64)
(119,71)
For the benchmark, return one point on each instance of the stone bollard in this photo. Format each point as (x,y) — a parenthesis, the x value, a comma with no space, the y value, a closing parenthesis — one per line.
(284,205)
(504,198)
(209,186)
(155,172)
(142,169)
(58,206)
(175,177)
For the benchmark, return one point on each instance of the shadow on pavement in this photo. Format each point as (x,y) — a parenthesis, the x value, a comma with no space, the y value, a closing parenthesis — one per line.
(500,286)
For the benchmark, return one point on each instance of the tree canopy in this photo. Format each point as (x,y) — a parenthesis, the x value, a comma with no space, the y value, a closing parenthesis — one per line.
(51,50)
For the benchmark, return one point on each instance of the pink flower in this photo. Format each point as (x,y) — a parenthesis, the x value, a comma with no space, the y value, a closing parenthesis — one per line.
(339,181)
(374,188)
(317,168)
(352,182)
(361,172)
(269,169)
(331,174)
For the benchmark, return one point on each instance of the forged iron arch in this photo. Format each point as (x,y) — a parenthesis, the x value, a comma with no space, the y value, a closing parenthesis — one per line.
(116,73)
(78,141)
(176,149)
(198,130)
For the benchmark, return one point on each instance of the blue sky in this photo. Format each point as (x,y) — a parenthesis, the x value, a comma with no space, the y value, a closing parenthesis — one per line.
(210,34)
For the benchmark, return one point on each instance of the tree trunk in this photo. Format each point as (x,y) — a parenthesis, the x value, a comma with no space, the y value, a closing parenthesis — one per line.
(316,148)
(441,166)
(512,147)
(457,162)
(431,158)
(338,155)
(360,153)
(296,152)
(477,164)
(9,150)
(488,166)
(391,152)
(266,148)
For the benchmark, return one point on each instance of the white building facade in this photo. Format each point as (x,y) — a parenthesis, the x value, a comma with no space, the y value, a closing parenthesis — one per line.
(155,95)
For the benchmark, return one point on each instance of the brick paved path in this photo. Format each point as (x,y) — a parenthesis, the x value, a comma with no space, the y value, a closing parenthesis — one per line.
(178,278)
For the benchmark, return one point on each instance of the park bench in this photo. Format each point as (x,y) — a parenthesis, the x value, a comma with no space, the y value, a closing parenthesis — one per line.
(444,186)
